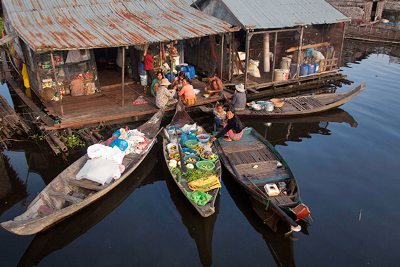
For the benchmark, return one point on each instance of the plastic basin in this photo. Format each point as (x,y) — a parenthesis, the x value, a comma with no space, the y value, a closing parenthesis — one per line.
(200,165)
(201,139)
(187,157)
(211,160)
(191,143)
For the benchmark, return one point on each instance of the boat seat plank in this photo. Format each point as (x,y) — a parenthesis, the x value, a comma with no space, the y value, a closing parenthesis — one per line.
(267,180)
(64,196)
(87,184)
(255,157)
(283,201)
(237,147)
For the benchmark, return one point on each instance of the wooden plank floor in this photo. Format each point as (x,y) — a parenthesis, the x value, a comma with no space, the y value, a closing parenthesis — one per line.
(107,105)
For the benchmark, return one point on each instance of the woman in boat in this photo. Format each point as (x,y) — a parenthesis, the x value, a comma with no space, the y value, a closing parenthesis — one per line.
(164,97)
(234,128)
(156,83)
(187,94)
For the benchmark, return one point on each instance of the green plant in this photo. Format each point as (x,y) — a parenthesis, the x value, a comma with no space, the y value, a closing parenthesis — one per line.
(74,142)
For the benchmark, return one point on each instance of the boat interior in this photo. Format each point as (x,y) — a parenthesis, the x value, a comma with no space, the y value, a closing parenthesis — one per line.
(257,165)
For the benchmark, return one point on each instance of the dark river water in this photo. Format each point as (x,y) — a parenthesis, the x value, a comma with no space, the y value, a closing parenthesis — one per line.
(346,162)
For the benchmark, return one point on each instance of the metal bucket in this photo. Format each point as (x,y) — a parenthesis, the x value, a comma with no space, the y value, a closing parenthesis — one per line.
(269,106)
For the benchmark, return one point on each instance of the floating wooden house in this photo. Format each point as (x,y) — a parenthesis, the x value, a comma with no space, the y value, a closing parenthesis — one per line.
(72,44)
(281,42)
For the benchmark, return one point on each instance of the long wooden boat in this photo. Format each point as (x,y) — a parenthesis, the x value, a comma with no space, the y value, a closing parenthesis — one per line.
(180,119)
(67,231)
(66,195)
(199,228)
(301,105)
(254,162)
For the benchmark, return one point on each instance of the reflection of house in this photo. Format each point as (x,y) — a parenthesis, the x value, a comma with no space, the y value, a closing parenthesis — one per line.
(273,33)
(367,10)
(59,40)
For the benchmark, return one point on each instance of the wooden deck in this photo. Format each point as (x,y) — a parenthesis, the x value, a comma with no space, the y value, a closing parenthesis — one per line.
(107,105)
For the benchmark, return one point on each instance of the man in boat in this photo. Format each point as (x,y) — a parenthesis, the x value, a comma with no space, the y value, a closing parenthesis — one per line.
(233,130)
(214,86)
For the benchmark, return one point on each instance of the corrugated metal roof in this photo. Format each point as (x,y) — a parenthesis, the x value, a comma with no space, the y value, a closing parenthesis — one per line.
(67,24)
(268,14)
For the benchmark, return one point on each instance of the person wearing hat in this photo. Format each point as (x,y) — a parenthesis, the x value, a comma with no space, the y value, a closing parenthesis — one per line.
(214,86)
(239,98)
(164,97)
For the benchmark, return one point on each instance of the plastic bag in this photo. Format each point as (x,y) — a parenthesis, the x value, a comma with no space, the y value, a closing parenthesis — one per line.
(318,56)
(121,144)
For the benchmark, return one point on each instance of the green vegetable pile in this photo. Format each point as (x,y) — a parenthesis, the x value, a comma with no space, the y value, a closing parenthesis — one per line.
(194,174)
(74,142)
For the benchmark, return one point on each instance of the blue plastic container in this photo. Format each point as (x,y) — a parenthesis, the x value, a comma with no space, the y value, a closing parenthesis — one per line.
(303,69)
(187,74)
(141,69)
(191,71)
(183,68)
(311,68)
(168,76)
(316,67)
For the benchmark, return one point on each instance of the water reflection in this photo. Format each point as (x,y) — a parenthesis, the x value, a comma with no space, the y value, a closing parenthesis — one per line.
(65,232)
(12,189)
(355,51)
(279,131)
(199,228)
(280,247)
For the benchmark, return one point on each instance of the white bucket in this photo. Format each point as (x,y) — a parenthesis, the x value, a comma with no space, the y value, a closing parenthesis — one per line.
(143,80)
(269,106)
(285,63)
(279,74)
(271,190)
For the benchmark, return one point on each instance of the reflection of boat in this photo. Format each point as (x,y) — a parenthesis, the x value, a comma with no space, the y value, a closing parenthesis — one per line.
(65,232)
(281,247)
(199,228)
(179,120)
(258,167)
(303,105)
(12,189)
(66,195)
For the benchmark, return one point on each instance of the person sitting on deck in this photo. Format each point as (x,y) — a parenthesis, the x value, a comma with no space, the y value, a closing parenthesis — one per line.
(178,81)
(164,97)
(156,83)
(187,94)
(239,98)
(234,128)
(220,115)
(214,86)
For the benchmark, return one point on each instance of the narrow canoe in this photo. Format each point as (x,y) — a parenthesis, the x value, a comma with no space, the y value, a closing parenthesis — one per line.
(67,231)
(301,105)
(66,195)
(254,158)
(180,119)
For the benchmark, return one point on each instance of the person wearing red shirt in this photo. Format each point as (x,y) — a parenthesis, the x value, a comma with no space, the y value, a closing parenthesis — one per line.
(148,66)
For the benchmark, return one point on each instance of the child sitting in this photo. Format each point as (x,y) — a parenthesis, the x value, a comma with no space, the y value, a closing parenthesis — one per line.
(220,115)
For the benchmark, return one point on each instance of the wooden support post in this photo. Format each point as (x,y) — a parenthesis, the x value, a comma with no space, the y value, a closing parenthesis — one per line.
(230,56)
(341,45)
(299,55)
(123,75)
(58,87)
(274,61)
(247,58)
(222,55)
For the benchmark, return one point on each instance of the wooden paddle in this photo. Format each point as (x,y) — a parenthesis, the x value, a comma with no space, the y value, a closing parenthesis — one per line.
(295,227)
(183,166)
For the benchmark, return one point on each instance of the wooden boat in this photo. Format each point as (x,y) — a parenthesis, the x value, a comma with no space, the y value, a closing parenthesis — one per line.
(67,231)
(301,105)
(254,163)
(180,119)
(65,195)
(199,228)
